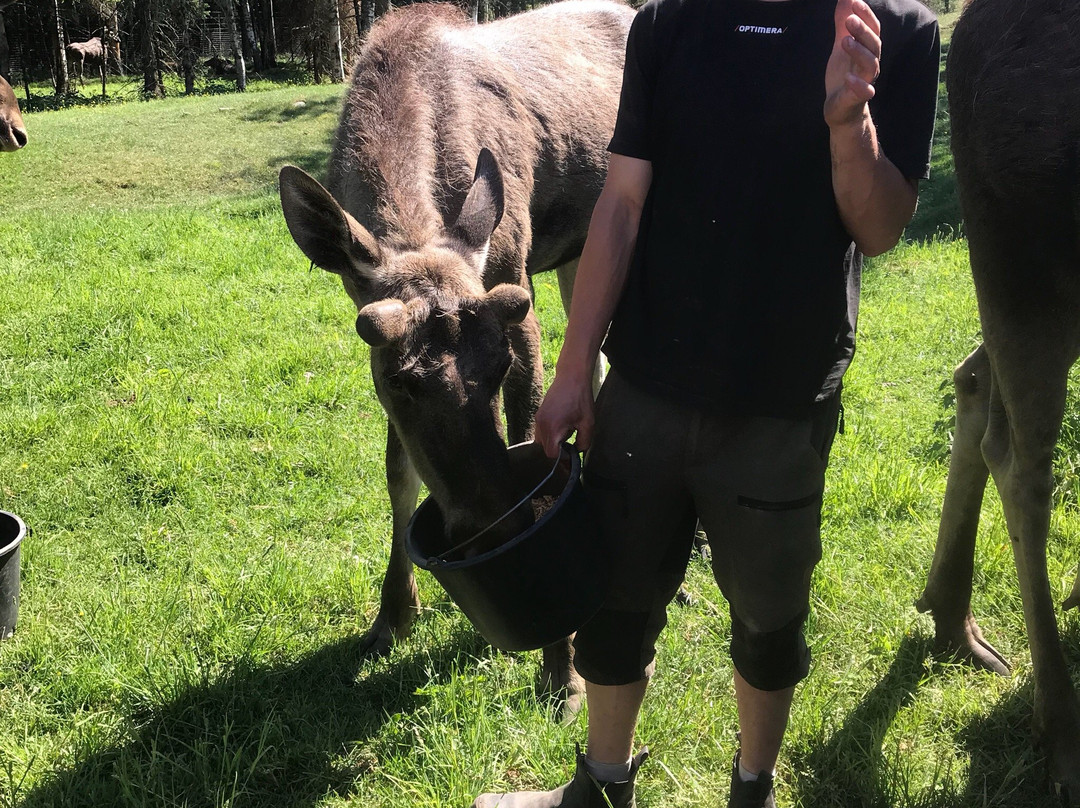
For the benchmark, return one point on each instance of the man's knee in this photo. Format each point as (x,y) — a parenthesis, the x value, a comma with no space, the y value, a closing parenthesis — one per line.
(616,647)
(770,660)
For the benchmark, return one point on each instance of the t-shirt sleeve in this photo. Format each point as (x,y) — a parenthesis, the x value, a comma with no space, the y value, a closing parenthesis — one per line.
(905,107)
(632,126)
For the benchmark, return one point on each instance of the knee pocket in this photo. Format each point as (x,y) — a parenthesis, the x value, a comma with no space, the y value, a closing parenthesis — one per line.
(770,660)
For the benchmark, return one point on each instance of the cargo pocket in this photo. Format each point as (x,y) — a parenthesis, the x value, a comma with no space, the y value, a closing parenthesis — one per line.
(609,496)
(782,505)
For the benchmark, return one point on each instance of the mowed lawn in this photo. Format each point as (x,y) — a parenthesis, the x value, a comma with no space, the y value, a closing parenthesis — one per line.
(187,422)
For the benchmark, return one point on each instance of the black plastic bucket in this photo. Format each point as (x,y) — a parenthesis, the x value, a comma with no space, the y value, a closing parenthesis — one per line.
(539,586)
(12,532)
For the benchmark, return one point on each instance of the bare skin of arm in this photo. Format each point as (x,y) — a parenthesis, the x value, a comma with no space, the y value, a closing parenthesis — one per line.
(602,270)
(875,200)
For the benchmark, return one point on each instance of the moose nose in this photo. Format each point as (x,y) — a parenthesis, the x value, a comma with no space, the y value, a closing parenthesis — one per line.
(12,138)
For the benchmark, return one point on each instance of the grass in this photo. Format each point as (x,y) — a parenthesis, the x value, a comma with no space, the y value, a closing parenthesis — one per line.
(189,427)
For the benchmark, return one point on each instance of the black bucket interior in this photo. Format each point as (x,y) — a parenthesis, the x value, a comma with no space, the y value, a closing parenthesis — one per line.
(538,586)
(12,532)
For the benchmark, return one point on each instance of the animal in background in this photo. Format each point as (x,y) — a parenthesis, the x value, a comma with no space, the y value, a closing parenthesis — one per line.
(12,130)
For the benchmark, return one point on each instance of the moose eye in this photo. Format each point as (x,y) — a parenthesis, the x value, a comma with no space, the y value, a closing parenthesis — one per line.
(397,384)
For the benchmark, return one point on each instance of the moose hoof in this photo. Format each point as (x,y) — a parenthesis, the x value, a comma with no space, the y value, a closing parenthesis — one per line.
(382,635)
(378,640)
(683,597)
(963,640)
(1064,763)
(565,689)
(1056,727)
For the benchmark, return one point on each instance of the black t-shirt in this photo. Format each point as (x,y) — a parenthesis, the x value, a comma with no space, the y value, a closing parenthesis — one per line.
(742,293)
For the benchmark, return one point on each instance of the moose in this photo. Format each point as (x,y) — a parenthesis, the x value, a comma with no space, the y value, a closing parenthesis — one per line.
(91,52)
(1015,107)
(12,131)
(468,158)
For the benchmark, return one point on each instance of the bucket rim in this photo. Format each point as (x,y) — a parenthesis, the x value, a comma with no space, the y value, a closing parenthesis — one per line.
(14,543)
(433,563)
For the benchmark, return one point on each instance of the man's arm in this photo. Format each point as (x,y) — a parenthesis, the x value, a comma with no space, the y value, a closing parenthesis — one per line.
(875,200)
(601,275)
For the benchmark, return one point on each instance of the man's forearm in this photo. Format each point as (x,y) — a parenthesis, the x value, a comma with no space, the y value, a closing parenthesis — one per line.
(601,275)
(875,200)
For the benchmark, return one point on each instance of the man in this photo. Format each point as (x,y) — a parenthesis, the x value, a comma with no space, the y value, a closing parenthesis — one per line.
(762,147)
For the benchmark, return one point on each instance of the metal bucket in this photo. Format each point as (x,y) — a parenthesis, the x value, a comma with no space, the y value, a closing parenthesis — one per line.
(12,532)
(542,584)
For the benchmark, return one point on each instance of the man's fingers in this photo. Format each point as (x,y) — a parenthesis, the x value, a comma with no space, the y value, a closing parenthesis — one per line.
(866,14)
(863,62)
(862,89)
(584,437)
(864,35)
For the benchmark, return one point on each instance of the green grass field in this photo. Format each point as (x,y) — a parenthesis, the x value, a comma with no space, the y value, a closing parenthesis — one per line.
(188,424)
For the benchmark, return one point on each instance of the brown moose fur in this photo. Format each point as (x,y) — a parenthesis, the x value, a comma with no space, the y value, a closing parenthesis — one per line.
(89,52)
(467,159)
(1014,99)
(12,130)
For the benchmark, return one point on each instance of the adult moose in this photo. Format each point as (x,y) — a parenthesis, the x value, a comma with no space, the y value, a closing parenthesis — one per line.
(91,52)
(12,131)
(468,158)
(1014,100)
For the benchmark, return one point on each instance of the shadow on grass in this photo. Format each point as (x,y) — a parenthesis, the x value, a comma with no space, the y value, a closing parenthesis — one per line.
(846,770)
(300,109)
(279,738)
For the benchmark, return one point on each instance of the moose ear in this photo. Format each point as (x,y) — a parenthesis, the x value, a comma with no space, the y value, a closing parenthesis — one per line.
(483,208)
(509,302)
(382,323)
(327,234)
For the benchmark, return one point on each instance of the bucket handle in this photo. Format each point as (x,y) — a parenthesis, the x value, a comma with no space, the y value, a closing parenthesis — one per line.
(443,559)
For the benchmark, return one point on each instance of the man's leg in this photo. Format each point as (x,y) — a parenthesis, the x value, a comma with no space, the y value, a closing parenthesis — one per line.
(763,718)
(613,714)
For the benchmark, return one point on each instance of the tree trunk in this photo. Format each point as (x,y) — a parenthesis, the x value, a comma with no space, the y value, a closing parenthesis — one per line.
(114,26)
(251,47)
(269,37)
(59,54)
(381,7)
(104,66)
(474,10)
(367,13)
(359,20)
(148,52)
(234,43)
(188,56)
(5,51)
(337,66)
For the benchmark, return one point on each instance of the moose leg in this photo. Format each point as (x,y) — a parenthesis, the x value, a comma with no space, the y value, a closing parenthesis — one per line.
(948,588)
(1019,449)
(1073,601)
(522,392)
(400,603)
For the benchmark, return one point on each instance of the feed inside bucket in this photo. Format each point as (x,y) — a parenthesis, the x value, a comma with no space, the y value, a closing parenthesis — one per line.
(12,532)
(540,585)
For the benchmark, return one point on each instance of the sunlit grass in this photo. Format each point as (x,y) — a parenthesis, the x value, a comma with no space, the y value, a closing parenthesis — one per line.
(189,427)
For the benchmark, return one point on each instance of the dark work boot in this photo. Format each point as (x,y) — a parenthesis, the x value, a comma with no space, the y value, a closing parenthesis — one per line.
(581,792)
(754,794)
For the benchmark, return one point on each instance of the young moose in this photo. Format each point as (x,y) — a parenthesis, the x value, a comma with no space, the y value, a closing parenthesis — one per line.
(468,158)
(12,131)
(1014,100)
